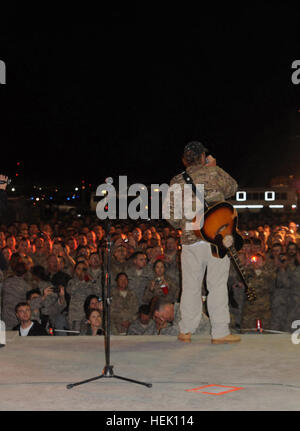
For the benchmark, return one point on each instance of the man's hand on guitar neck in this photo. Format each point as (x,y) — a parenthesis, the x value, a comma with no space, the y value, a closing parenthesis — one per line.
(210,161)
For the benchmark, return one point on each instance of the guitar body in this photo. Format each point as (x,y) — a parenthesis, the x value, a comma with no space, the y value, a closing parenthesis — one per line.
(219,221)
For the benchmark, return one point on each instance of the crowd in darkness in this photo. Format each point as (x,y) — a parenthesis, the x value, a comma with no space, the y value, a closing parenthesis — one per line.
(52,276)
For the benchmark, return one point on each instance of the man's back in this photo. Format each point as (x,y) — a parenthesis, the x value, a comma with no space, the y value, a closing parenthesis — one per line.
(218,186)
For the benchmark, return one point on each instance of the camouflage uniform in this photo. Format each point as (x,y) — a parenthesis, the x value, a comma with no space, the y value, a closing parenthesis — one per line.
(280,302)
(79,290)
(286,299)
(173,270)
(263,281)
(138,280)
(14,290)
(196,256)
(204,327)
(293,297)
(95,274)
(39,259)
(123,309)
(172,296)
(48,306)
(218,185)
(116,267)
(137,328)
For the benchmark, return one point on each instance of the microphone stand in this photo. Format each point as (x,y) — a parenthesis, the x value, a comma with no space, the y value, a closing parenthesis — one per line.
(107,371)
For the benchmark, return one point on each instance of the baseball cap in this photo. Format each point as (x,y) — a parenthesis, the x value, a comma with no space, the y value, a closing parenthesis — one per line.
(193,150)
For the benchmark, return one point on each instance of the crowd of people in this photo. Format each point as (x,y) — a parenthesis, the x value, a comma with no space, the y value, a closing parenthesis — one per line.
(52,277)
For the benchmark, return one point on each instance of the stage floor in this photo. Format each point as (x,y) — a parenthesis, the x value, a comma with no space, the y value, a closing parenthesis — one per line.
(36,370)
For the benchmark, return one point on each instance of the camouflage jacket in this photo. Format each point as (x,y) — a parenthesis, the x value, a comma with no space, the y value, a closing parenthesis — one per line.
(138,280)
(123,309)
(79,290)
(286,299)
(14,290)
(172,328)
(39,259)
(263,281)
(136,328)
(218,185)
(172,295)
(49,306)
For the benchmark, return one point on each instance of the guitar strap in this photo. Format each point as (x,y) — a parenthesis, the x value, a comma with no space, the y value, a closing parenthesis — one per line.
(189,180)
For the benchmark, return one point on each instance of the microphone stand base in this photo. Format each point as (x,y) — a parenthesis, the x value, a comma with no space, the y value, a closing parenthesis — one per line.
(108,373)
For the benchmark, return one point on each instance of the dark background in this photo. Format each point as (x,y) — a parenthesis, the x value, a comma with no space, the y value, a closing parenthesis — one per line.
(119,90)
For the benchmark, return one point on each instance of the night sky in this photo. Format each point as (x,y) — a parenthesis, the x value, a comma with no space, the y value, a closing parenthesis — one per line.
(120,90)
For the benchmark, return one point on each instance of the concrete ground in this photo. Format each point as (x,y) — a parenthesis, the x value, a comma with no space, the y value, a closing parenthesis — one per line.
(36,370)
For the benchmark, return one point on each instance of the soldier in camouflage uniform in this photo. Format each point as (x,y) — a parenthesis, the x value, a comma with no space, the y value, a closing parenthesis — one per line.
(167,317)
(139,275)
(161,285)
(196,255)
(40,256)
(280,296)
(49,304)
(143,325)
(118,263)
(172,261)
(124,306)
(262,278)
(285,300)
(79,289)
(14,290)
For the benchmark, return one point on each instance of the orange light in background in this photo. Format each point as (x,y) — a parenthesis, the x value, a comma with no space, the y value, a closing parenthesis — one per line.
(253,259)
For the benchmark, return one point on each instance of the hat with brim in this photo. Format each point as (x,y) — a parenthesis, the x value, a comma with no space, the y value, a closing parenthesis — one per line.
(193,150)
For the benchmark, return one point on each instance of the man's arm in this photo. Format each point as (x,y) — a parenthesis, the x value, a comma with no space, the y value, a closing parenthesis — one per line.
(176,223)
(227,184)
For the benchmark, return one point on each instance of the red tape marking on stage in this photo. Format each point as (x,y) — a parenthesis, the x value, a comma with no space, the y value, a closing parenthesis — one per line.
(232,389)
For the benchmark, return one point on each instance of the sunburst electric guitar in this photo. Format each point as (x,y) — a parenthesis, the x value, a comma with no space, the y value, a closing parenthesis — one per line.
(219,228)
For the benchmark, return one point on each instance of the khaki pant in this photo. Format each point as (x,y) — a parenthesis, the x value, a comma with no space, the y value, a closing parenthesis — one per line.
(195,258)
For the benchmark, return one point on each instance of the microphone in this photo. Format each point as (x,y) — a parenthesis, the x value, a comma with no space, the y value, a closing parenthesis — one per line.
(8,181)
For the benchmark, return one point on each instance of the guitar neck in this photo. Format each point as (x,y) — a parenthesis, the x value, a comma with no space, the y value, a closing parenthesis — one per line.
(250,291)
(235,258)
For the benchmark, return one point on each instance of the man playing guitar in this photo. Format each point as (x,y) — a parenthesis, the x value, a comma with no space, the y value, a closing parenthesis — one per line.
(197,257)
